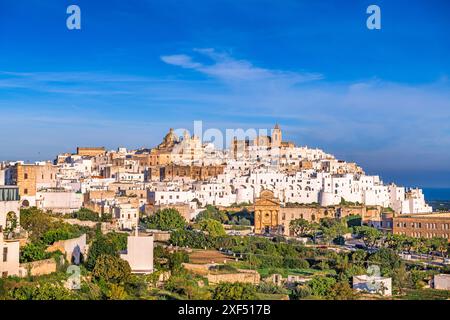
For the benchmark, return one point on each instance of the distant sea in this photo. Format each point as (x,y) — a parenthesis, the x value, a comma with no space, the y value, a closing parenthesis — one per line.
(436,194)
(439,199)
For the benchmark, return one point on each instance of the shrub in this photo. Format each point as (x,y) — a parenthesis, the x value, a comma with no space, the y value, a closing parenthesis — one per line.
(270,288)
(165,219)
(111,269)
(321,285)
(234,291)
(295,263)
(100,246)
(42,291)
(302,291)
(33,251)
(213,227)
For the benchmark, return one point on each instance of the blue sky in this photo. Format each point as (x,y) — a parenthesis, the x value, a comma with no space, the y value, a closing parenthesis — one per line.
(136,68)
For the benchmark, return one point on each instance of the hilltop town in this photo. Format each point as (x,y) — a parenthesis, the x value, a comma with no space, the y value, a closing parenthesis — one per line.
(278,219)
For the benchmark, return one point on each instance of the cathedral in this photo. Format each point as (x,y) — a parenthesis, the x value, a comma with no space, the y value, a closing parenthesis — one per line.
(275,140)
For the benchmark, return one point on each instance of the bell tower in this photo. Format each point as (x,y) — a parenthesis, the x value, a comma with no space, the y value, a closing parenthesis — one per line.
(277,136)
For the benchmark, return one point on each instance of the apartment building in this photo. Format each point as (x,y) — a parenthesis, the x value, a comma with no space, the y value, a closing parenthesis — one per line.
(429,225)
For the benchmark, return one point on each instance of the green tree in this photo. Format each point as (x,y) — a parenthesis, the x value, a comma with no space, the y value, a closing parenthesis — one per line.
(301,292)
(100,246)
(116,292)
(353,220)
(35,221)
(85,214)
(49,291)
(41,291)
(33,251)
(176,259)
(321,285)
(409,243)
(358,257)
(400,278)
(333,228)
(234,291)
(387,259)
(295,263)
(421,246)
(341,291)
(165,219)
(111,269)
(369,235)
(212,212)
(213,227)
(440,245)
(301,227)
(394,241)
(51,236)
(118,239)
(418,278)
(191,238)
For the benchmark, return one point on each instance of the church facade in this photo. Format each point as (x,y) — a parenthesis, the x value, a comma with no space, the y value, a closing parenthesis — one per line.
(267,210)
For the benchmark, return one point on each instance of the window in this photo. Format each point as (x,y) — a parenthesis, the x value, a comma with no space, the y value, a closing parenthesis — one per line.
(5,254)
(25,191)
(25,176)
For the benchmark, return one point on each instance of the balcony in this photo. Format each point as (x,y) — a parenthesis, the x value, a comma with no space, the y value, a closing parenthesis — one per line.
(9,193)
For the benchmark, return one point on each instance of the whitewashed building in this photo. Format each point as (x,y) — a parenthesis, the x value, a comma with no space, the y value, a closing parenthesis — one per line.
(139,254)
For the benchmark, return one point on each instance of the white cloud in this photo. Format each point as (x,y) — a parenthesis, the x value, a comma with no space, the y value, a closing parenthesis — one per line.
(226,68)
(180,60)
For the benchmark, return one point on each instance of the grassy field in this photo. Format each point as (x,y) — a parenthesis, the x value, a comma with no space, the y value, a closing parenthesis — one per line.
(425,294)
(208,256)
(265,272)
(267,296)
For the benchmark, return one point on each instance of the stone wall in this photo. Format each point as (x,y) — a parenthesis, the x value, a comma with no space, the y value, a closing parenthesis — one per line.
(315,213)
(242,275)
(246,276)
(38,268)
(184,209)
(73,249)
(201,269)
(161,236)
(90,151)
